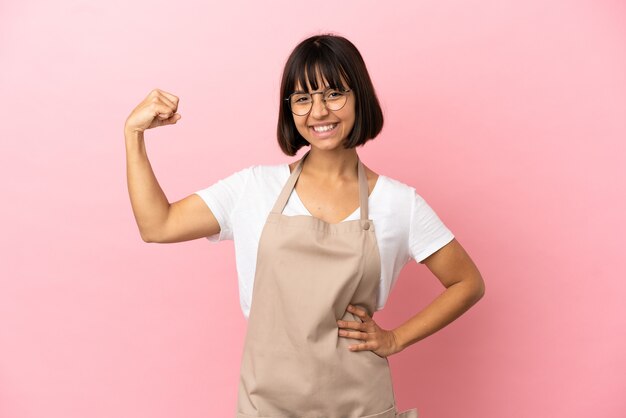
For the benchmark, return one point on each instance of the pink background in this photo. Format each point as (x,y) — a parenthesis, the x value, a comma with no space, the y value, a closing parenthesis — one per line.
(508,117)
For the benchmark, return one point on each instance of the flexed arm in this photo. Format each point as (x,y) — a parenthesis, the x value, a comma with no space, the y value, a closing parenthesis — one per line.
(157,219)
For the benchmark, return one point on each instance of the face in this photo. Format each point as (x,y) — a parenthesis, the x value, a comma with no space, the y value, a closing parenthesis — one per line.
(322,128)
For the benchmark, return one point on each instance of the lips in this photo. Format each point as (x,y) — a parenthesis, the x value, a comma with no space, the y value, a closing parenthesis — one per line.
(324,128)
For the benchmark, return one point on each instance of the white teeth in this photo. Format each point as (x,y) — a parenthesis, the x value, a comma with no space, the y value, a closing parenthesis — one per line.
(324,128)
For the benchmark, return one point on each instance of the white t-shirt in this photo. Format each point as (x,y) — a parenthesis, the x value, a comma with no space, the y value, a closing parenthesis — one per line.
(406,226)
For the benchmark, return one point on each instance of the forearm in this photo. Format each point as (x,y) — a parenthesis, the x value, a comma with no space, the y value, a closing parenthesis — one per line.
(444,309)
(149,203)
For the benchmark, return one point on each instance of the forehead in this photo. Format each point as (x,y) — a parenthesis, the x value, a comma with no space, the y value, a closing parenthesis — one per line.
(320,83)
(316,78)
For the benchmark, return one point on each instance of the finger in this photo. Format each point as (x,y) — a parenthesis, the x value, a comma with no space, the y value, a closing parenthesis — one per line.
(170,97)
(351,324)
(359,347)
(172,119)
(153,93)
(160,94)
(165,99)
(361,313)
(357,335)
(160,109)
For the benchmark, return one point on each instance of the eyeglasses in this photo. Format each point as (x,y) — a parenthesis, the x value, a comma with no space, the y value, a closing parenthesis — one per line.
(302,103)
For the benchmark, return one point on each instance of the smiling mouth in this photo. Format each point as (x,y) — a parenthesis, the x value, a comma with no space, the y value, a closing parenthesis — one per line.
(324,128)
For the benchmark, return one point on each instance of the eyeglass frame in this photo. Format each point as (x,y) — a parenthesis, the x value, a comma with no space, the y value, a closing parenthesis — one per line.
(288,99)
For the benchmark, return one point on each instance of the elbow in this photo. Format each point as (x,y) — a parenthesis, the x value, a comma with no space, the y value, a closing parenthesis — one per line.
(148,236)
(479,288)
(473,289)
(146,239)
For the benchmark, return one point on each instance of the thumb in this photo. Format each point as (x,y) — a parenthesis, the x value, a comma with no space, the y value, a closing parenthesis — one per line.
(172,119)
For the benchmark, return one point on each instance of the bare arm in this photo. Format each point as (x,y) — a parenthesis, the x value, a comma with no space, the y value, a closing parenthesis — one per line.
(157,219)
(464,287)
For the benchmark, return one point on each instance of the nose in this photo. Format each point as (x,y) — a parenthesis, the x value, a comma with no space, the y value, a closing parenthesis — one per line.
(318,107)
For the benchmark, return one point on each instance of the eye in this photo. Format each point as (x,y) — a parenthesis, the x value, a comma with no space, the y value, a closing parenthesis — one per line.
(300,98)
(333,94)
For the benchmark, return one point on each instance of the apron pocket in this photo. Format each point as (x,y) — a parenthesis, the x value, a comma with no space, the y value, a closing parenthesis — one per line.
(390,413)
(409,413)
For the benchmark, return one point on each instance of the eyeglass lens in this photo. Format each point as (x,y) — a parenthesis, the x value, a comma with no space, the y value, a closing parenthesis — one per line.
(301,103)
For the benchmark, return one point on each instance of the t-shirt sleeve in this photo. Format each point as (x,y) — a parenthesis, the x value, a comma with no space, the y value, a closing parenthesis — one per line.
(427,232)
(222,198)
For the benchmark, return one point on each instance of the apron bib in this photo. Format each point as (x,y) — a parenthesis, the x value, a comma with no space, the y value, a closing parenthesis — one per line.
(294,363)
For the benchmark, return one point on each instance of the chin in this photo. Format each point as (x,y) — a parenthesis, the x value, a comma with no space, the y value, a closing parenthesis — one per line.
(326,146)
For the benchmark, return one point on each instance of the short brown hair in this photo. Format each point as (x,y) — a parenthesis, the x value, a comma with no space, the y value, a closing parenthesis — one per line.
(334,57)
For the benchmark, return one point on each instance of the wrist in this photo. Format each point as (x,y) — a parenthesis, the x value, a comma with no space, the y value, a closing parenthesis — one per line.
(130,133)
(134,143)
(398,342)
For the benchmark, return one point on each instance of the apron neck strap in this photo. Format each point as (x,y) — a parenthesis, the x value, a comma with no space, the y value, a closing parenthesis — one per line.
(363,191)
(281,202)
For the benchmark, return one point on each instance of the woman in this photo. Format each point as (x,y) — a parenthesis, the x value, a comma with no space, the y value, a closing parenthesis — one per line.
(312,268)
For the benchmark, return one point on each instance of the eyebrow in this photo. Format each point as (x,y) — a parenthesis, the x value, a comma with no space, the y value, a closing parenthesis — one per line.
(303,92)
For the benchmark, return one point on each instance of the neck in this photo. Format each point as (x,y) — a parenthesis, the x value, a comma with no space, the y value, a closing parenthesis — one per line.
(333,164)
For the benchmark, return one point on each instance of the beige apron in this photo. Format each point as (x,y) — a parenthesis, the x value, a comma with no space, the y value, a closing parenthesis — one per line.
(295,364)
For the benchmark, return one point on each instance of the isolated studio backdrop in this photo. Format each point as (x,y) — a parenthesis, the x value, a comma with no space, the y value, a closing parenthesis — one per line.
(507,117)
